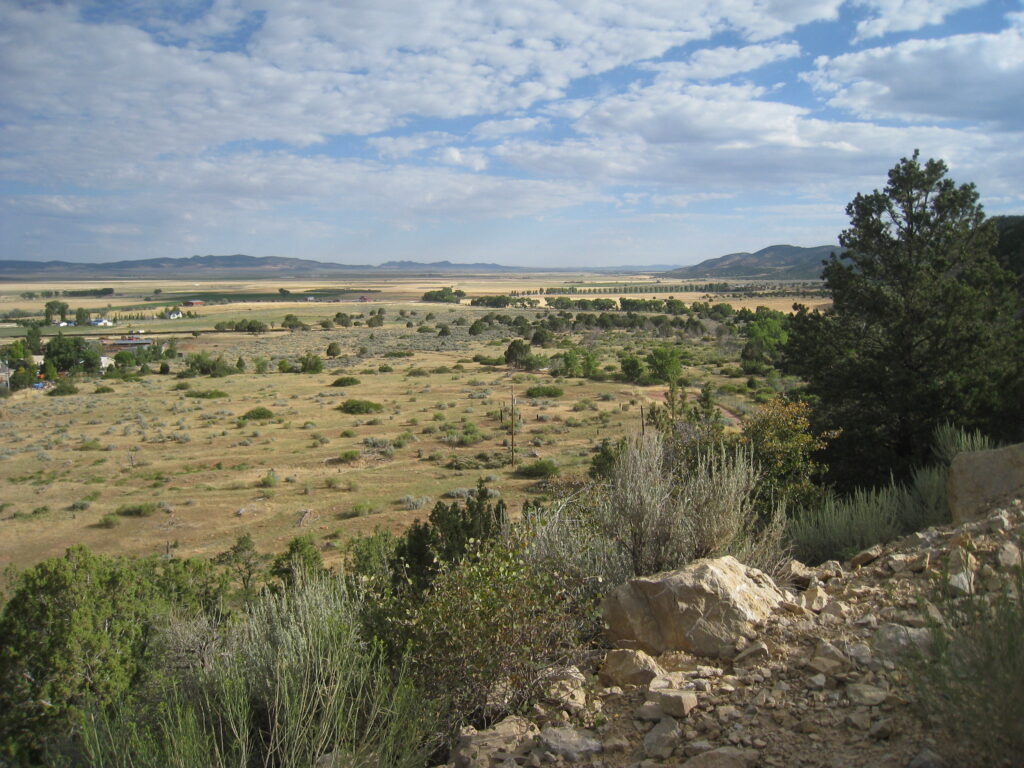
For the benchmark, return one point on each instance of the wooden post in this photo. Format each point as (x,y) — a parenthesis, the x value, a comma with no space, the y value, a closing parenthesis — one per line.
(513,390)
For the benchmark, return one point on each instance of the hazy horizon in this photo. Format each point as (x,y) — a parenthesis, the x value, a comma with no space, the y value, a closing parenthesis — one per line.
(602,134)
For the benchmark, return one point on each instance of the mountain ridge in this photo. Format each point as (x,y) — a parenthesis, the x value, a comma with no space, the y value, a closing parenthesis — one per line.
(775,262)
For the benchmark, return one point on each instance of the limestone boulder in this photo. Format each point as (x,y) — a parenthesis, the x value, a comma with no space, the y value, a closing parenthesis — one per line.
(571,743)
(703,608)
(624,666)
(979,478)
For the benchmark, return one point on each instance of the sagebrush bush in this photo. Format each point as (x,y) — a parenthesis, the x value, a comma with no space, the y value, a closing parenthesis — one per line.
(664,515)
(292,682)
(838,528)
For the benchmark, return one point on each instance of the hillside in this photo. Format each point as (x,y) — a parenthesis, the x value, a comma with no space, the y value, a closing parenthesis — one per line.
(776,262)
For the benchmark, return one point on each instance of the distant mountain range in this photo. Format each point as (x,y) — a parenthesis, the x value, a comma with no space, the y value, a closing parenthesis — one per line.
(776,262)
(243,267)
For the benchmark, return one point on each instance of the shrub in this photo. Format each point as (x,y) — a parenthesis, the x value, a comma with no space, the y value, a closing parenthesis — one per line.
(103,389)
(345,381)
(257,414)
(293,682)
(970,678)
(144,509)
(488,635)
(663,515)
(542,468)
(349,456)
(544,390)
(63,387)
(108,521)
(269,480)
(77,630)
(206,394)
(360,406)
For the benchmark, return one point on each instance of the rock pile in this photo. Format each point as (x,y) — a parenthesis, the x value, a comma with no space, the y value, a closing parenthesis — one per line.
(717,666)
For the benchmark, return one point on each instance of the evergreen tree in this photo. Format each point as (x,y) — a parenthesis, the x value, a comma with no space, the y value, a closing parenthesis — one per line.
(923,329)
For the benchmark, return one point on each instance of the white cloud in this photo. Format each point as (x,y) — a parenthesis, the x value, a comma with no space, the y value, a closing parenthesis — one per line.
(473,159)
(493,129)
(716,63)
(975,78)
(907,15)
(403,146)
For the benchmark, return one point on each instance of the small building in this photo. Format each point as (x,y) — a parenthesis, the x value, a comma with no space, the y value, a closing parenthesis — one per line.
(193,303)
(127,342)
(174,314)
(101,322)
(5,375)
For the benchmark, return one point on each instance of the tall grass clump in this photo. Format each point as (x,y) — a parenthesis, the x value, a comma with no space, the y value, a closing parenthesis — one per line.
(291,683)
(840,527)
(970,678)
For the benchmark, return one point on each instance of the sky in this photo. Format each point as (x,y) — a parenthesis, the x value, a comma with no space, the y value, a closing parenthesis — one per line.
(525,132)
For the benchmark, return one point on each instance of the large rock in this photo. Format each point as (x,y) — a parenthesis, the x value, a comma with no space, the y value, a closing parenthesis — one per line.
(481,749)
(571,743)
(978,479)
(624,666)
(703,608)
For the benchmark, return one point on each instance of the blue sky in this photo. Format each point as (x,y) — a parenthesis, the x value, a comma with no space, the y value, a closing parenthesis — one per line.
(582,132)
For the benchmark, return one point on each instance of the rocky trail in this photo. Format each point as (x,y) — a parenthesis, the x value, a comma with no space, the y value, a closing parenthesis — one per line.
(719,666)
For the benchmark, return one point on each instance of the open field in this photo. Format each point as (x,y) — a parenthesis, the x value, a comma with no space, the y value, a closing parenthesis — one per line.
(150,467)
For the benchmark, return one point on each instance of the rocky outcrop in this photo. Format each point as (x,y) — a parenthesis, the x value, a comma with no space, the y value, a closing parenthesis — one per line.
(704,608)
(815,679)
(977,479)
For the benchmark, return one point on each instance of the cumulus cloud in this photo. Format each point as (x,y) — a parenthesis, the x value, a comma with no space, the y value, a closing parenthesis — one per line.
(976,78)
(154,125)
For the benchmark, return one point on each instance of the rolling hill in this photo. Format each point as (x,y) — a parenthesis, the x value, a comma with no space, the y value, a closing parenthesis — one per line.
(776,262)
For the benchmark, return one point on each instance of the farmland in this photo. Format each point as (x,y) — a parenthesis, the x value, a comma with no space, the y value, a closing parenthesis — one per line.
(152,463)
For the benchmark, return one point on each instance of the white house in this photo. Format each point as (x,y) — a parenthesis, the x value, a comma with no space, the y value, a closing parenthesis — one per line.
(101,321)
(174,315)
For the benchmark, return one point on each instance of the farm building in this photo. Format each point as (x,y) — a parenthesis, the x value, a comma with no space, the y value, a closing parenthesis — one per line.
(126,342)
(193,303)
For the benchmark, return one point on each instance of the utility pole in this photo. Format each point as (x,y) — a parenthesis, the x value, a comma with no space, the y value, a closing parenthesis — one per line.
(513,390)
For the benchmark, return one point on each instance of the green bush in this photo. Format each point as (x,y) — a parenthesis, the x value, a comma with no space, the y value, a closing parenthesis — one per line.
(544,390)
(144,509)
(360,406)
(293,682)
(206,394)
(77,634)
(349,456)
(257,414)
(269,480)
(103,389)
(108,521)
(63,387)
(345,381)
(488,634)
(970,678)
(541,468)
